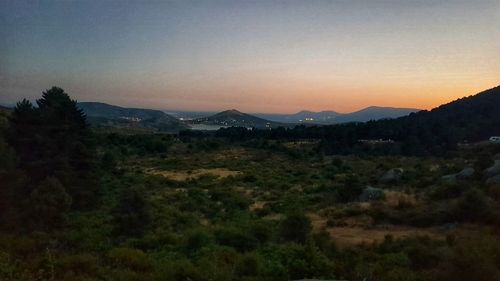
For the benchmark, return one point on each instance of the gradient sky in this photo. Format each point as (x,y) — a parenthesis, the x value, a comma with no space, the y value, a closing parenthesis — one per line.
(256,56)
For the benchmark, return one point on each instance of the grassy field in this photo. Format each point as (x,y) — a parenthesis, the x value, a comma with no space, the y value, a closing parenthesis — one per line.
(209,209)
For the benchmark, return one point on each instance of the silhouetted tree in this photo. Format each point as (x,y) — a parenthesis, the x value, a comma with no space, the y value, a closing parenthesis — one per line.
(53,140)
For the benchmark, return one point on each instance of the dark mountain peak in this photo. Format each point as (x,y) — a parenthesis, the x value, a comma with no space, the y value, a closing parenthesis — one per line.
(304,112)
(236,118)
(231,112)
(386,108)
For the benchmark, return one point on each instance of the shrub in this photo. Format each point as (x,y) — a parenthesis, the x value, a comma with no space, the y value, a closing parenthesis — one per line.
(49,204)
(350,189)
(197,239)
(473,205)
(79,265)
(129,258)
(132,214)
(177,270)
(295,227)
(236,238)
(248,265)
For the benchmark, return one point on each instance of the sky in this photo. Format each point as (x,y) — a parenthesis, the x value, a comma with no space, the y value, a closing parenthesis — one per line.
(255,56)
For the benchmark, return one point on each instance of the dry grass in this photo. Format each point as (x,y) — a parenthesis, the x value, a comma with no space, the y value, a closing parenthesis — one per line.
(348,236)
(257,205)
(231,154)
(187,175)
(359,230)
(396,199)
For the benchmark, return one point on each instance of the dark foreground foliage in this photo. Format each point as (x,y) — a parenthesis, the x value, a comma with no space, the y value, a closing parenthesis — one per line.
(83,205)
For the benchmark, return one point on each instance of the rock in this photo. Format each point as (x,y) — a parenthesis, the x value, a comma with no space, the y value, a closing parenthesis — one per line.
(371,193)
(493,180)
(393,175)
(465,173)
(493,170)
(451,179)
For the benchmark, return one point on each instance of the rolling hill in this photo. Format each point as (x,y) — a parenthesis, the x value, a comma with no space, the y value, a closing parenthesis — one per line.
(235,118)
(374,113)
(102,114)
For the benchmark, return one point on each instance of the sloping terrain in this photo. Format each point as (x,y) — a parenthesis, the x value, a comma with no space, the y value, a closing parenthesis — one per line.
(235,118)
(110,115)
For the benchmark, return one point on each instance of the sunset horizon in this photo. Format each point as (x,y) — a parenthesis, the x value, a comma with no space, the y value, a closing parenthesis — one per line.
(273,57)
(250,140)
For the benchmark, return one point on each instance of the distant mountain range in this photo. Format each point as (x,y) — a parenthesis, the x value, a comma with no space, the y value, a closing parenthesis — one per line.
(332,117)
(102,114)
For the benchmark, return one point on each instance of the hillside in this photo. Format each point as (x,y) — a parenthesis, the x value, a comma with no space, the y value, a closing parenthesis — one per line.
(374,113)
(466,120)
(235,118)
(103,114)
(305,116)
(472,118)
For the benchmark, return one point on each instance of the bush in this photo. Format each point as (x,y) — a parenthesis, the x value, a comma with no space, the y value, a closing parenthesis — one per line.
(197,239)
(350,189)
(129,258)
(49,204)
(80,265)
(132,215)
(180,270)
(473,205)
(236,238)
(248,265)
(295,227)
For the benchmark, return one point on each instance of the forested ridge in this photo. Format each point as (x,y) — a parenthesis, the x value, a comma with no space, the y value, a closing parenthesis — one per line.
(467,120)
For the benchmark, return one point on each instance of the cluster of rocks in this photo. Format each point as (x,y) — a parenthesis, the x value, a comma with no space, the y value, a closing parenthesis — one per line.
(370,193)
(491,175)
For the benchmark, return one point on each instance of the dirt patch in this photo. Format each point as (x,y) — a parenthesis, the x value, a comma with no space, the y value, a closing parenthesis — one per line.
(257,205)
(231,154)
(348,236)
(397,199)
(194,174)
(360,230)
(317,221)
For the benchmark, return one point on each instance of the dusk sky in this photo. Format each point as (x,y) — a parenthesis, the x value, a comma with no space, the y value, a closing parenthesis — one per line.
(256,56)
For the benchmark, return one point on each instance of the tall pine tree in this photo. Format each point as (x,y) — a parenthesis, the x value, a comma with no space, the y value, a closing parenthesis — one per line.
(54,140)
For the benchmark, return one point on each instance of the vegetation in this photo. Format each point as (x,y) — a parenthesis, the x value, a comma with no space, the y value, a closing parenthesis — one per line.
(79,203)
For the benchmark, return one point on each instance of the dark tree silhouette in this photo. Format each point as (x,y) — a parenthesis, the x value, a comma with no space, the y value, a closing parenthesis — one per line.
(54,140)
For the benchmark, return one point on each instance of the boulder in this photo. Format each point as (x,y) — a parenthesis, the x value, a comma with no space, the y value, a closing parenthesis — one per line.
(393,175)
(451,179)
(493,170)
(465,173)
(493,180)
(371,194)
